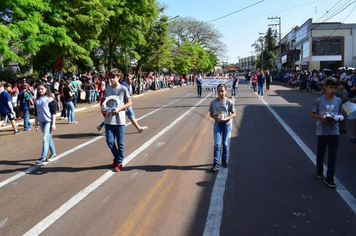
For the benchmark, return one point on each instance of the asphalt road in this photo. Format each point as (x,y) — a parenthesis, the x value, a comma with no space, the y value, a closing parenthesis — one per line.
(166,186)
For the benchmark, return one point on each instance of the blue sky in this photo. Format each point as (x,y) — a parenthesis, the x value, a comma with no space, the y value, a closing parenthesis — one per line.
(241,29)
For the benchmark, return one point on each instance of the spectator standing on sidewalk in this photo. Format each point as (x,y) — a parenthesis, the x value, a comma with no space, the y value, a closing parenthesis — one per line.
(115,121)
(68,93)
(352,97)
(2,86)
(6,108)
(222,110)
(76,89)
(63,100)
(56,93)
(344,96)
(327,131)
(24,101)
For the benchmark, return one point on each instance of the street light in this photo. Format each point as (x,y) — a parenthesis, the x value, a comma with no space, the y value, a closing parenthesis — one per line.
(262,50)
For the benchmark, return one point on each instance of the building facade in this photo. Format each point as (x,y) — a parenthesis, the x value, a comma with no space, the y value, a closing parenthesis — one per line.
(247,63)
(317,46)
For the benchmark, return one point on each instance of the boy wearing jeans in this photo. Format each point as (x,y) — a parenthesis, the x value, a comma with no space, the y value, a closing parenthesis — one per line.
(115,120)
(327,131)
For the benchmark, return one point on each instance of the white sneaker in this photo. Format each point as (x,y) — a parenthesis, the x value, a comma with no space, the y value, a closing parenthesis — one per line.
(51,157)
(40,161)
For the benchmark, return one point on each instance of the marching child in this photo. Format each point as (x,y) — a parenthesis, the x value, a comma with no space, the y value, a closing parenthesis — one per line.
(45,114)
(327,131)
(115,120)
(222,110)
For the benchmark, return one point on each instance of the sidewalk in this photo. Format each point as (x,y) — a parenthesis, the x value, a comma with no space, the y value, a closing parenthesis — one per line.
(80,107)
(295,87)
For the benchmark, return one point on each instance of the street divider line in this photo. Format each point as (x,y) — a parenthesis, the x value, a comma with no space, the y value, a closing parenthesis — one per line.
(343,192)
(53,217)
(35,167)
(216,207)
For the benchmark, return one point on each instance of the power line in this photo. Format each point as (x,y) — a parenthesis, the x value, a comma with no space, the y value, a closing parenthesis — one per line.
(263,16)
(236,11)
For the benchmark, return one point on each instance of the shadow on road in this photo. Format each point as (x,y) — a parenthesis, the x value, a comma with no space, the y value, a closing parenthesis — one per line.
(159,168)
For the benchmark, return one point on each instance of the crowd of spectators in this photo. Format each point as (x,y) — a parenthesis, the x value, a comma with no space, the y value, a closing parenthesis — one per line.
(311,80)
(85,88)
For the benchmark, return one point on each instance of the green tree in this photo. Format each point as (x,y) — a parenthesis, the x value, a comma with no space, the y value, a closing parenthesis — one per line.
(78,26)
(271,49)
(125,28)
(22,29)
(155,52)
(194,31)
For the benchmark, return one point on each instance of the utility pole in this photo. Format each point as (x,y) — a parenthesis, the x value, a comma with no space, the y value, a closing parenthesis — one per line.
(279,34)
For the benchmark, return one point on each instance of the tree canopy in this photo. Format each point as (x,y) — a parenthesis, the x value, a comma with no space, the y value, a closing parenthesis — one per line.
(104,34)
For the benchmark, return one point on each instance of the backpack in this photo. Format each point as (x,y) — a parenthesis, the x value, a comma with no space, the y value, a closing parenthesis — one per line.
(26,96)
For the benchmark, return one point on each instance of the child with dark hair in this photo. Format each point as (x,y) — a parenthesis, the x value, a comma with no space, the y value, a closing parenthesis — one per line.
(119,100)
(327,130)
(222,110)
(45,114)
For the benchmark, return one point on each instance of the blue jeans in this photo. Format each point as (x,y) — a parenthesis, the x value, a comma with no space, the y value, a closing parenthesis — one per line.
(70,111)
(213,92)
(26,122)
(221,130)
(332,141)
(260,89)
(89,96)
(233,91)
(47,139)
(130,114)
(112,131)
(75,100)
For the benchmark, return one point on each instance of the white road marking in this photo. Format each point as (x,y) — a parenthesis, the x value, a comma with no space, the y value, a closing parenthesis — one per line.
(53,217)
(216,207)
(213,222)
(343,192)
(29,170)
(2,223)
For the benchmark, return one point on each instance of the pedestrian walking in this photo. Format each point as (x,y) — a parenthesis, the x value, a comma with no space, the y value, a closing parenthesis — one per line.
(115,120)
(254,82)
(235,84)
(6,108)
(261,79)
(199,83)
(327,130)
(24,103)
(222,110)
(268,80)
(45,115)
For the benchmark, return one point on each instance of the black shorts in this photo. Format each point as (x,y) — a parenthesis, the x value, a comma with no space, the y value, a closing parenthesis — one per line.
(3,116)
